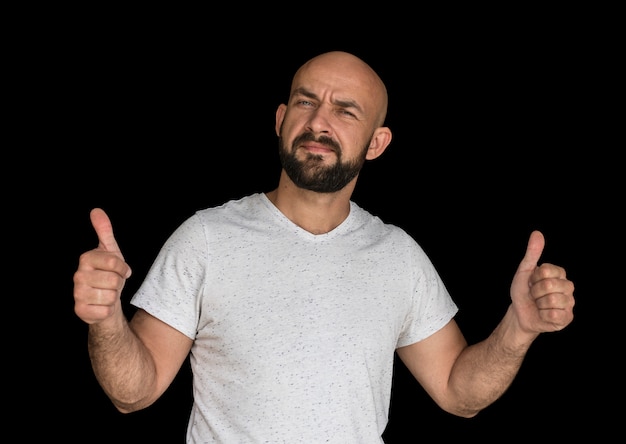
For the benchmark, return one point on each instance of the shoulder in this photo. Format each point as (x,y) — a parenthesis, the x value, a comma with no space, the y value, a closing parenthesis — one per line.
(243,204)
(377,230)
(240,209)
(365,217)
(231,219)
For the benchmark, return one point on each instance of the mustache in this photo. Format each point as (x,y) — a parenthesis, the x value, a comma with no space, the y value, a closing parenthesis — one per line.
(323,140)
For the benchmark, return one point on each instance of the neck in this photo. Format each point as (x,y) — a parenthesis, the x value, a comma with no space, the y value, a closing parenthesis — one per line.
(317,213)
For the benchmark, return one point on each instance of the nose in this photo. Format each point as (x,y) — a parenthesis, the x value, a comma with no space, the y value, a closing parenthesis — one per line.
(319,121)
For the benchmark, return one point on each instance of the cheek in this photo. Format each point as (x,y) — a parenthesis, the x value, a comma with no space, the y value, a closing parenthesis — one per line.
(355,147)
(288,129)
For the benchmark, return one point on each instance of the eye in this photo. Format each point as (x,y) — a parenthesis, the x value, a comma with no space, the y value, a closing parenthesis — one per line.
(345,112)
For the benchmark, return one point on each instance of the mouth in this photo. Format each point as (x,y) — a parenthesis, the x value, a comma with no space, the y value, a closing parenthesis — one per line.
(317,148)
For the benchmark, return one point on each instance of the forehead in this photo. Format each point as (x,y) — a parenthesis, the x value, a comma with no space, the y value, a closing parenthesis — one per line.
(335,78)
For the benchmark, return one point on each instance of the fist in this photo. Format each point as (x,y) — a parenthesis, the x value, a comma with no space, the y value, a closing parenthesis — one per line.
(101,275)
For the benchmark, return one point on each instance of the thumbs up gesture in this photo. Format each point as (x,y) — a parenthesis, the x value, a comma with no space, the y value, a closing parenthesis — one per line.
(542,295)
(101,275)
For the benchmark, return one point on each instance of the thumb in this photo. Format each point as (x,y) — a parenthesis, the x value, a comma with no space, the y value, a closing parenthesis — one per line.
(536,242)
(102,224)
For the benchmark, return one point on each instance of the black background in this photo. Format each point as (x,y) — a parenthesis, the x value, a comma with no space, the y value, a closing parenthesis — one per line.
(500,127)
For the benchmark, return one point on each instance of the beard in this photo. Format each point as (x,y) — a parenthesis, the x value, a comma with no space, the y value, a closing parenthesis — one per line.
(311,173)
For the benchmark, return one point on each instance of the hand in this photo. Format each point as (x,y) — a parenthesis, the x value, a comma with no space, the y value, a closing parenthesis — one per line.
(542,296)
(101,275)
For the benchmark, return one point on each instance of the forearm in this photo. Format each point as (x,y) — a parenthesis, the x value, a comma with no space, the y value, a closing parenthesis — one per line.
(122,365)
(485,370)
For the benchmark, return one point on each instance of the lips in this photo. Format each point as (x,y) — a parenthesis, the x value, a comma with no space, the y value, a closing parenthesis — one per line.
(318,148)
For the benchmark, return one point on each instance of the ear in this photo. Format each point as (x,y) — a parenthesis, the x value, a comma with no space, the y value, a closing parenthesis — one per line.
(380,141)
(280,116)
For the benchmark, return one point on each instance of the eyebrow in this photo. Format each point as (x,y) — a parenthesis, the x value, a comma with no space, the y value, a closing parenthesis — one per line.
(341,103)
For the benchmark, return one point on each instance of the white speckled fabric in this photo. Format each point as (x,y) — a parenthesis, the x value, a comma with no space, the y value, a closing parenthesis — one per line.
(294,333)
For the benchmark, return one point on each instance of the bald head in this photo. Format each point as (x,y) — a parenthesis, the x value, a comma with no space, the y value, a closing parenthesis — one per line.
(354,78)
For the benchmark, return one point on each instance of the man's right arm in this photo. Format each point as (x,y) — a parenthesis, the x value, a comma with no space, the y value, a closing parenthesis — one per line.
(134,362)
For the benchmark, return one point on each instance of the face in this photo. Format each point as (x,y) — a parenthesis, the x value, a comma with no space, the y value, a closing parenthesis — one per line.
(331,123)
(311,172)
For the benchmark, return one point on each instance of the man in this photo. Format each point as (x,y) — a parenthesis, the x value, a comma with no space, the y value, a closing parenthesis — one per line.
(293,302)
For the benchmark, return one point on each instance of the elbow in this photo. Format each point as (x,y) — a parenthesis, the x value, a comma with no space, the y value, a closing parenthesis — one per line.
(465,413)
(124,407)
(461,410)
(131,405)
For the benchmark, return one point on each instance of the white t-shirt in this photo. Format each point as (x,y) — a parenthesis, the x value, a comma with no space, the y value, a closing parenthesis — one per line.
(294,333)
